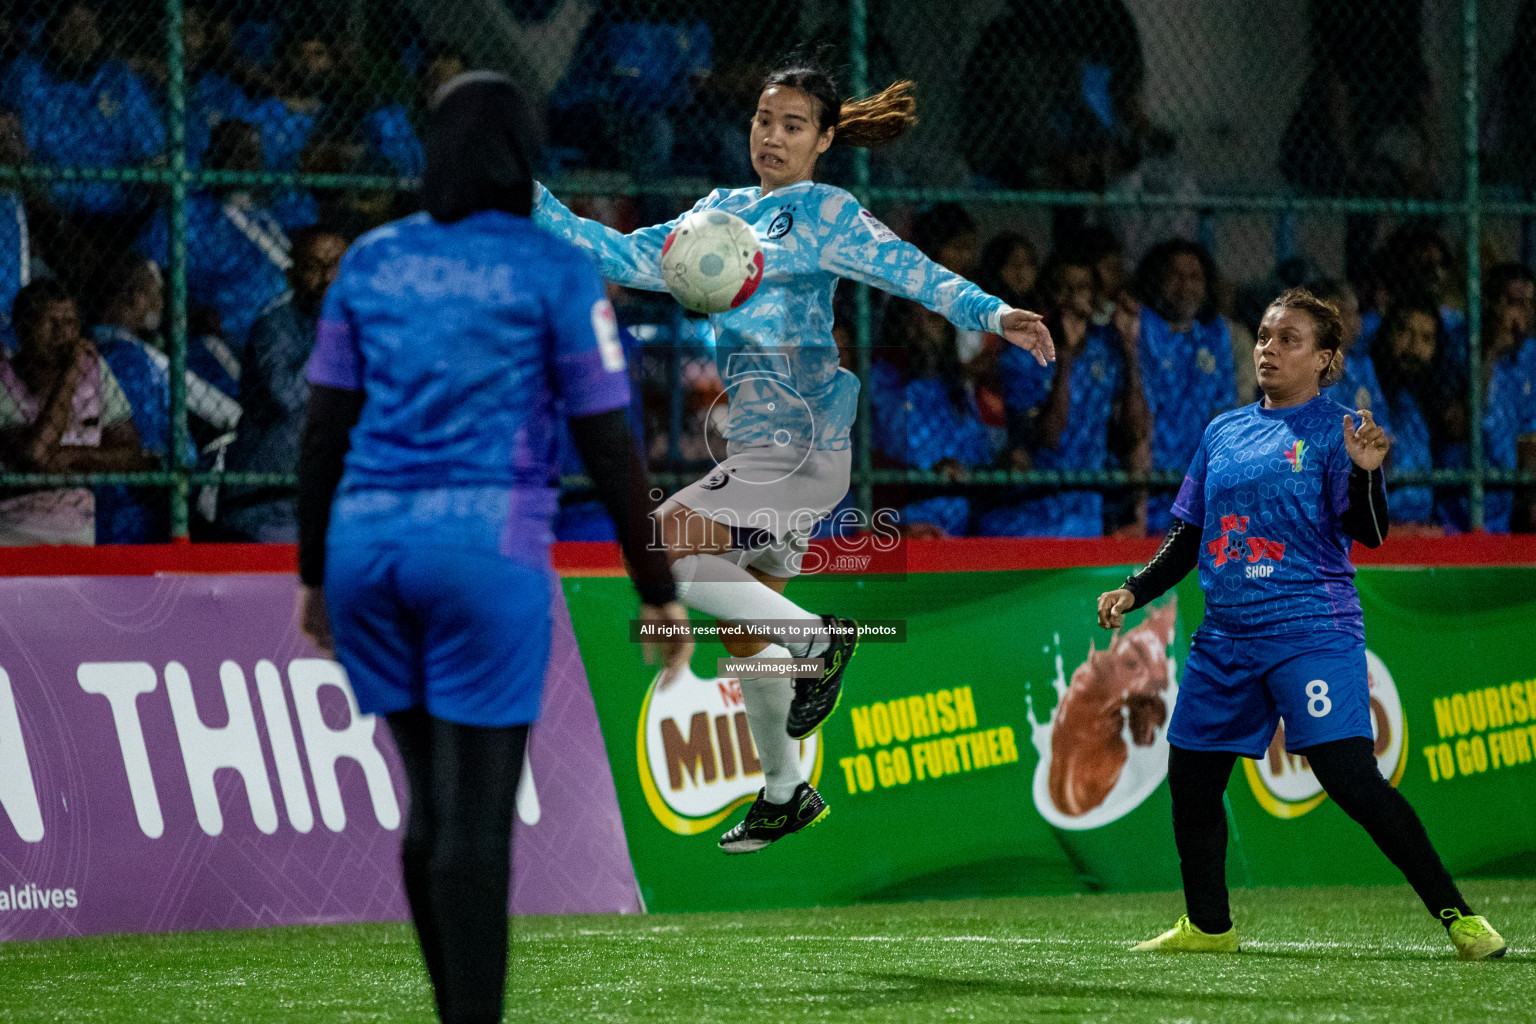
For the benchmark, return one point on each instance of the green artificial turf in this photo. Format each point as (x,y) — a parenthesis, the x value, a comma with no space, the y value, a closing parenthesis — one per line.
(1323,954)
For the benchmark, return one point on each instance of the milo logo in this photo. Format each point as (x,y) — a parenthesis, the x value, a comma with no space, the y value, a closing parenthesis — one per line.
(697,758)
(1284,784)
(1104,748)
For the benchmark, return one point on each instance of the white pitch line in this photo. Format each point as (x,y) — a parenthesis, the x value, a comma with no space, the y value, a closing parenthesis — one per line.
(1388,947)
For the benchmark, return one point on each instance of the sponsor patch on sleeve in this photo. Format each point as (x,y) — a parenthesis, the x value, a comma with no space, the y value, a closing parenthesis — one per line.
(878,231)
(606,327)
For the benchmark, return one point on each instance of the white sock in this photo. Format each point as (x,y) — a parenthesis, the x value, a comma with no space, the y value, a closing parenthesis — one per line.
(719,587)
(767,702)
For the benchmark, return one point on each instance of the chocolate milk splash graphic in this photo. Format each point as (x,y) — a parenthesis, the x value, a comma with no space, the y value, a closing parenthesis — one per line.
(1104,749)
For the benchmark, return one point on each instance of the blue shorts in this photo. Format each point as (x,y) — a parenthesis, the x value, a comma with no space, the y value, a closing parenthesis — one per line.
(1236,689)
(464,634)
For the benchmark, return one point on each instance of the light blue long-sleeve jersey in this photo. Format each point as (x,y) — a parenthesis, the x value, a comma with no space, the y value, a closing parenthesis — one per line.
(776,355)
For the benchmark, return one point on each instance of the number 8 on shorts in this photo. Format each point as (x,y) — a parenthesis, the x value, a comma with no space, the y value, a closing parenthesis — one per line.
(1318,703)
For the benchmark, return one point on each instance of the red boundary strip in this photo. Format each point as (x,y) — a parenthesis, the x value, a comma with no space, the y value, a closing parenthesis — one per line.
(971,554)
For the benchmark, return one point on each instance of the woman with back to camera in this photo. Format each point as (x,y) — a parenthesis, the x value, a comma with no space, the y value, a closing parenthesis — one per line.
(736,537)
(442,348)
(1283,634)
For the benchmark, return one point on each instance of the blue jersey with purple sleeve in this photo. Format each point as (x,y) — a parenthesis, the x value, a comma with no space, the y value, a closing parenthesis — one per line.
(1267,488)
(463,337)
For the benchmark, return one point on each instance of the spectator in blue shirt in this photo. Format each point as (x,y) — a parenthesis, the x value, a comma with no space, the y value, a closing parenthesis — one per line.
(81,107)
(391,131)
(220,82)
(617,106)
(274,394)
(1357,387)
(1417,260)
(1062,422)
(306,75)
(923,415)
(132,300)
(1186,357)
(237,252)
(1509,403)
(1404,357)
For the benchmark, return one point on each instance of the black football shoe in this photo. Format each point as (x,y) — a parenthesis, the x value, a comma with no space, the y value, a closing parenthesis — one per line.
(816,698)
(767,823)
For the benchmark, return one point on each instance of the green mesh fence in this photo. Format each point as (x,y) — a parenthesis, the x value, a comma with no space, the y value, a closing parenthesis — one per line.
(187,174)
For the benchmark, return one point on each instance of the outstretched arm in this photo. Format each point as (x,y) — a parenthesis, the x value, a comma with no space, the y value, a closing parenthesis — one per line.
(633,260)
(1179,554)
(855,245)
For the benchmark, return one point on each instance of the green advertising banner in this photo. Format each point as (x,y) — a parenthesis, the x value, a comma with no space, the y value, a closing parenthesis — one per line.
(1008,746)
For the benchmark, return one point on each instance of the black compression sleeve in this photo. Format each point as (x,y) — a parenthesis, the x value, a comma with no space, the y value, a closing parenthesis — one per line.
(333,412)
(1179,554)
(614,464)
(1366,518)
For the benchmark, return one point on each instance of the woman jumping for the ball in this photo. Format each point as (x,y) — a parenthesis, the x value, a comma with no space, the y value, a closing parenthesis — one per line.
(737,537)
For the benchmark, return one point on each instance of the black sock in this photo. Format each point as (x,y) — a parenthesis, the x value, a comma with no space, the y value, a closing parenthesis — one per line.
(1347,769)
(458,860)
(1197,780)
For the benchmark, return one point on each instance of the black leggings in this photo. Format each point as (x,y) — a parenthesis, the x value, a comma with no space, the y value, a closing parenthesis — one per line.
(457,855)
(1347,769)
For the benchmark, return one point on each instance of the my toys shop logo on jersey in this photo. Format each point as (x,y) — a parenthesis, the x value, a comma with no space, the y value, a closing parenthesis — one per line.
(1230,547)
(1283,783)
(696,756)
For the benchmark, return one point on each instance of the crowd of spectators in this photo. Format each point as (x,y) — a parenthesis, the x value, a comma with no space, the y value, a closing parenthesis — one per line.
(1147,354)
(1146,360)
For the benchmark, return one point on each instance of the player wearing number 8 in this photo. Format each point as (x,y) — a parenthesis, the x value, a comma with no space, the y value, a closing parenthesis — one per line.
(1271,501)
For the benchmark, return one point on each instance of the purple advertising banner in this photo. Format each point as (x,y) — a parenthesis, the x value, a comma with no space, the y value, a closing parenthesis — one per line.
(174,755)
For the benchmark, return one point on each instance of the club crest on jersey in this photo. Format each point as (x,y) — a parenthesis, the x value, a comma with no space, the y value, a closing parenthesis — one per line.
(1253,550)
(782,224)
(716,480)
(1294,455)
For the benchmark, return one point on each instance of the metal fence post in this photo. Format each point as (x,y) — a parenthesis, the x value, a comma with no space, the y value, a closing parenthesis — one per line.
(176,88)
(858,58)
(1474,264)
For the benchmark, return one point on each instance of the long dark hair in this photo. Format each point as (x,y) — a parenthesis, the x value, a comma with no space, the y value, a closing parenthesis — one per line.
(1155,266)
(872,121)
(995,255)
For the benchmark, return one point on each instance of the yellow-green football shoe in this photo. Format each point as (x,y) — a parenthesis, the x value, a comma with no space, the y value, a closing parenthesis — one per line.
(1184,937)
(1473,937)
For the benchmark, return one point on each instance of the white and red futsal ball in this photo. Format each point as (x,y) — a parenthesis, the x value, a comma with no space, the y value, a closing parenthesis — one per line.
(711,262)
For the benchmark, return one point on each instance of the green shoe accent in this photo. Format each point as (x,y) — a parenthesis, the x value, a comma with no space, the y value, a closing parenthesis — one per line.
(1473,937)
(1186,938)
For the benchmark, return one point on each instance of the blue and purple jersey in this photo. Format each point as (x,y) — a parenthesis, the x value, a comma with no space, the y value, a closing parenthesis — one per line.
(463,337)
(1267,487)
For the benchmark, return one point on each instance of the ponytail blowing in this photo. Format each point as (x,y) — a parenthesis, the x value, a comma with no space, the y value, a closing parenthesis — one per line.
(872,121)
(878,119)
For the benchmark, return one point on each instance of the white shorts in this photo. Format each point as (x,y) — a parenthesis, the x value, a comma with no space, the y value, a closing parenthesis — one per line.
(771,498)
